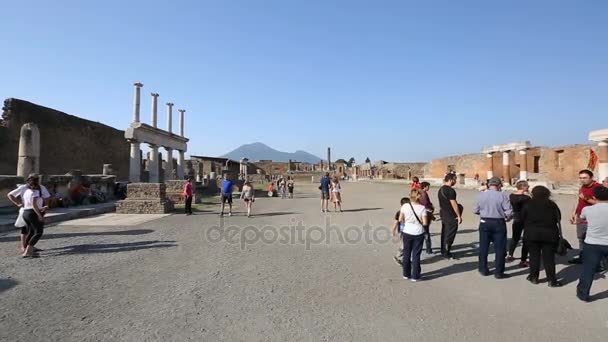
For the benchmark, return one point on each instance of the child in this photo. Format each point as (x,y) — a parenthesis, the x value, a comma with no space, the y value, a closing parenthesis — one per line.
(397,231)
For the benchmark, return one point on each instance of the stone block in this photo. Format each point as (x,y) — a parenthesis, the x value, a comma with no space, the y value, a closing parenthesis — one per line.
(146,191)
(142,206)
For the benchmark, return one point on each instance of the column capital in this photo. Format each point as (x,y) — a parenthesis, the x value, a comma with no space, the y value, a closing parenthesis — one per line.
(169,104)
(181,111)
(154,94)
(138,84)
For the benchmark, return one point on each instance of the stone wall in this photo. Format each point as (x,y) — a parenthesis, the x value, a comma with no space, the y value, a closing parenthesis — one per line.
(66,142)
(469,164)
(562,164)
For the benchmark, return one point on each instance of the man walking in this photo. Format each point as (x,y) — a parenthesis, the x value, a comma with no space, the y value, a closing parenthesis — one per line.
(226,195)
(324,187)
(494,209)
(596,240)
(188,196)
(450,213)
(585,199)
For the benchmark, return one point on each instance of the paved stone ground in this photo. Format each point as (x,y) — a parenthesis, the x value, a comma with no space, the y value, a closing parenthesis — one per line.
(164,280)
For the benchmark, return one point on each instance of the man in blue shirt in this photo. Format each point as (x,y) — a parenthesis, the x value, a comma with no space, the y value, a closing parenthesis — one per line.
(324,187)
(494,210)
(226,195)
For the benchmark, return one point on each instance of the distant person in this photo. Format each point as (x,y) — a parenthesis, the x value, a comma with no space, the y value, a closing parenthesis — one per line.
(541,217)
(518,201)
(494,210)
(413,217)
(451,214)
(336,194)
(425,200)
(271,189)
(397,231)
(248,196)
(226,195)
(188,196)
(585,199)
(290,186)
(283,188)
(33,214)
(596,240)
(16,197)
(324,187)
(415,183)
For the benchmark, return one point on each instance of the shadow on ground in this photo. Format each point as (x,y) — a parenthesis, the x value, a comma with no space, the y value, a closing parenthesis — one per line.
(360,209)
(278,213)
(47,236)
(108,248)
(6,284)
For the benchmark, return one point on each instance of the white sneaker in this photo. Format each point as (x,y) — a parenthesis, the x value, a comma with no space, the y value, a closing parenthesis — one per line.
(229,214)
(406,278)
(413,280)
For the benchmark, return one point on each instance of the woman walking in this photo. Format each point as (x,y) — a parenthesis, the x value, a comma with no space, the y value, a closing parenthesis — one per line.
(413,219)
(518,200)
(248,196)
(541,218)
(33,214)
(335,192)
(290,186)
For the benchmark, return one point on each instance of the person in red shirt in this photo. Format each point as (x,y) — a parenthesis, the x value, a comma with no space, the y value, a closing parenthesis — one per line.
(416,183)
(585,199)
(188,196)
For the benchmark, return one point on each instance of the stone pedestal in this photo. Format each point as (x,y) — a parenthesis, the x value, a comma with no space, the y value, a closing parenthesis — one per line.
(145,198)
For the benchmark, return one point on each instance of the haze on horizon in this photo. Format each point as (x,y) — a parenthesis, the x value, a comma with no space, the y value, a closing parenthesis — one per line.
(392,80)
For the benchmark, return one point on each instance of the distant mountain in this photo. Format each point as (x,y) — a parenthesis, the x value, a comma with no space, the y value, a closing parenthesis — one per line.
(259,151)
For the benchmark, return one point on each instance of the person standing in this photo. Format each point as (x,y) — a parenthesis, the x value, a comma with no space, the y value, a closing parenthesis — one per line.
(596,240)
(33,214)
(413,219)
(290,186)
(324,187)
(16,197)
(450,213)
(397,232)
(336,194)
(248,196)
(541,218)
(585,199)
(518,200)
(188,196)
(425,200)
(494,210)
(283,188)
(226,195)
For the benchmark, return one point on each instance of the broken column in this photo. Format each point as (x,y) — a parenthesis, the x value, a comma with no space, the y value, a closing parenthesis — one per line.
(29,150)
(601,138)
(136,98)
(107,170)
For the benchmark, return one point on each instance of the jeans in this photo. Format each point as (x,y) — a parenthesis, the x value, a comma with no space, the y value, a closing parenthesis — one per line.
(449,228)
(492,231)
(427,238)
(547,249)
(188,204)
(592,256)
(412,247)
(518,229)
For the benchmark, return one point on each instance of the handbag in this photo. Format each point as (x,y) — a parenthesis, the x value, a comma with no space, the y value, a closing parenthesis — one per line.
(562,244)
(20,222)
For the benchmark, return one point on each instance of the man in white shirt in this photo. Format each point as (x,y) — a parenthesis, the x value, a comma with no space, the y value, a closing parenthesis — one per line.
(16,197)
(596,240)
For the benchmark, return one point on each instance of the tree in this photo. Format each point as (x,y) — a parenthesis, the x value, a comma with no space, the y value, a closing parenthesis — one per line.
(351,161)
(367,160)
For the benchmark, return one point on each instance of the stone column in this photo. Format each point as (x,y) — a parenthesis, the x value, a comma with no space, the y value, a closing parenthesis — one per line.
(523,165)
(328,159)
(153,168)
(28,160)
(169,117)
(135,162)
(181,162)
(136,97)
(506,170)
(490,164)
(154,111)
(181,121)
(169,165)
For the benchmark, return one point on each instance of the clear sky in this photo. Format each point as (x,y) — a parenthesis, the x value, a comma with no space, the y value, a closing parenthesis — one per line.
(395,80)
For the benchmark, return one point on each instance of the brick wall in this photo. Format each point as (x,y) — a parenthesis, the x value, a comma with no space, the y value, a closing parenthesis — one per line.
(66,142)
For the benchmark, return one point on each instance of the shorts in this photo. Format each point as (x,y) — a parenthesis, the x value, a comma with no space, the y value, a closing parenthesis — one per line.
(325,195)
(248,199)
(227,198)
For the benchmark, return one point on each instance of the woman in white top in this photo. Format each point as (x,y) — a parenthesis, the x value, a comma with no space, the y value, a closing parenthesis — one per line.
(413,218)
(33,215)
(335,193)
(247,195)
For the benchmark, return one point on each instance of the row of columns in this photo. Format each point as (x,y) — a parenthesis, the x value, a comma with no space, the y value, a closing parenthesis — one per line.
(506,165)
(135,156)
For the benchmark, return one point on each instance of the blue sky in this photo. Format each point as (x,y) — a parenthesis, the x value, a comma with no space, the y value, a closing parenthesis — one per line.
(393,80)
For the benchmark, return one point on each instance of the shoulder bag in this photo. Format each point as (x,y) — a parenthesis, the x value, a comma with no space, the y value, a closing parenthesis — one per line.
(562,244)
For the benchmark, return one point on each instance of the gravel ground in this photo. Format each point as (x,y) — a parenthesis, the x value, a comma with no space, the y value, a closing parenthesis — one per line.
(170,279)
